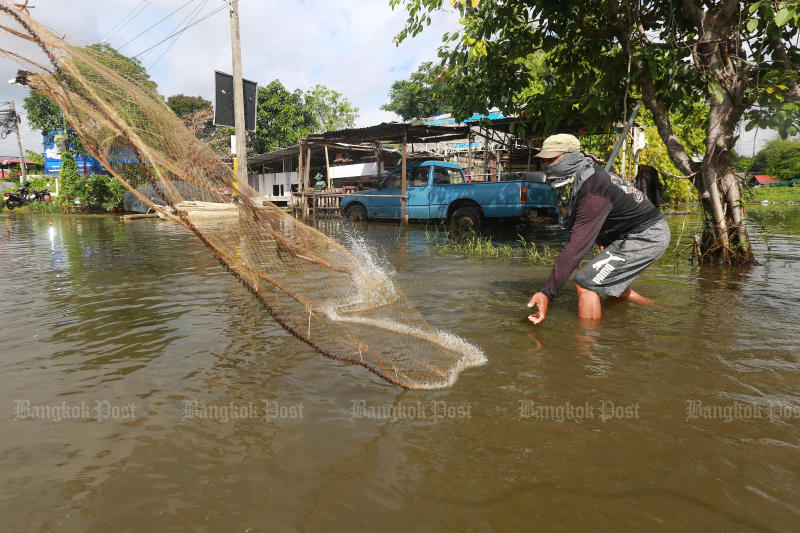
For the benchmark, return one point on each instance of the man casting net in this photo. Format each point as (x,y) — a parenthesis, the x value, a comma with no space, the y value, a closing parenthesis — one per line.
(324,294)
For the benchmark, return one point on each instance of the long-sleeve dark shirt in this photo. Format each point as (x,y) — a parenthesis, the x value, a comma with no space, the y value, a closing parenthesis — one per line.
(603,214)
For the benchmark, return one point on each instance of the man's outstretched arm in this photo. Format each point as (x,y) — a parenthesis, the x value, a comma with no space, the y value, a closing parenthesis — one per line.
(590,216)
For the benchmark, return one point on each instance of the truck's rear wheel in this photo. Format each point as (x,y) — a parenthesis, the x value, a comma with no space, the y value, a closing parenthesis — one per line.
(466,220)
(356,213)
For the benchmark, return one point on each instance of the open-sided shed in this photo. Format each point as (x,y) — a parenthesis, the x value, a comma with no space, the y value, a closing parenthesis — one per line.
(379,136)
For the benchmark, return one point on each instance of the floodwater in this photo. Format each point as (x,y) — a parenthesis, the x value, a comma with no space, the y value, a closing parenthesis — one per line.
(144,389)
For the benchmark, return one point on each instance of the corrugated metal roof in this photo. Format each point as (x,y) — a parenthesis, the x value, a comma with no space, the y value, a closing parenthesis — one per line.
(447,119)
(393,133)
(764,178)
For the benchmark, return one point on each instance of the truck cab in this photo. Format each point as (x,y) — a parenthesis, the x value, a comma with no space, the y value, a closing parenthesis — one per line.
(438,190)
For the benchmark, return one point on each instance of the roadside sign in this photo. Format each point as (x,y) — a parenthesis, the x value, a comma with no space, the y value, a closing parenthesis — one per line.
(223,101)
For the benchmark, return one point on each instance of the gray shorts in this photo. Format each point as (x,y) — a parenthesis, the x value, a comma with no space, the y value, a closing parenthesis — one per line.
(615,268)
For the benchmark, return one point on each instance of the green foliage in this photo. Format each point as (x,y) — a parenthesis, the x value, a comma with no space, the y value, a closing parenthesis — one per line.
(186,105)
(599,53)
(45,115)
(33,156)
(741,163)
(72,185)
(128,67)
(689,129)
(421,95)
(779,158)
(331,110)
(445,242)
(104,192)
(284,117)
(95,192)
(773,194)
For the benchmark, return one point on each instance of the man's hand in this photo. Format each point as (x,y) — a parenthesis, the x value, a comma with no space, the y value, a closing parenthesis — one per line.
(541,302)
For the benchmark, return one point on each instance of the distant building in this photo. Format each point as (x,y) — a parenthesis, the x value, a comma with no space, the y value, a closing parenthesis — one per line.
(762,180)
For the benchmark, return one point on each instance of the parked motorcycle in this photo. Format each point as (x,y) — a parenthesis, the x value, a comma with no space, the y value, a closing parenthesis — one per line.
(16,199)
(24,196)
(42,195)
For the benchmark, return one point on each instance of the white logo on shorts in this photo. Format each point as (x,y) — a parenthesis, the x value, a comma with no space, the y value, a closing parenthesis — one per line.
(605,267)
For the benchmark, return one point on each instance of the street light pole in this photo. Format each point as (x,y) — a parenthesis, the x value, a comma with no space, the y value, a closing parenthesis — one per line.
(23,176)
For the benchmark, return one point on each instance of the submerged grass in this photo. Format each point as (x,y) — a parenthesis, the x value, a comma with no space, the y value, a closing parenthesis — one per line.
(772,194)
(473,245)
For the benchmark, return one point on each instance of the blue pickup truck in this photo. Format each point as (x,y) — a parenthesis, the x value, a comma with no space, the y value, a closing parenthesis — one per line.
(438,190)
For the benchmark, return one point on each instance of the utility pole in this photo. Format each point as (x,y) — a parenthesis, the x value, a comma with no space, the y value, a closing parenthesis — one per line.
(240,157)
(23,176)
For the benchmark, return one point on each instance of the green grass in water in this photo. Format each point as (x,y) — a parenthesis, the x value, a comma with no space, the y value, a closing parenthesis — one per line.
(483,247)
(772,194)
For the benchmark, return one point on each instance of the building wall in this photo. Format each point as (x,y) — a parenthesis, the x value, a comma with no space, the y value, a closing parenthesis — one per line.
(275,186)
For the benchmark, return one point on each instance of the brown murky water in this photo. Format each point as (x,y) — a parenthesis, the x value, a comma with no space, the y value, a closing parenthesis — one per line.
(143,389)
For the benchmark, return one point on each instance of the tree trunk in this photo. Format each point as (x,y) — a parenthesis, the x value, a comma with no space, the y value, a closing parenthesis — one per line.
(724,236)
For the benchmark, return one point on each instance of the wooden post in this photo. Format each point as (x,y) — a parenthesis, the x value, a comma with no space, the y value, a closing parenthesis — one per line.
(469,155)
(300,189)
(327,166)
(486,157)
(308,167)
(300,167)
(378,162)
(499,164)
(403,215)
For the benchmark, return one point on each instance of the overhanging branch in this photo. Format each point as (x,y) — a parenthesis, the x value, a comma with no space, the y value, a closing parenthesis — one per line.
(781,60)
(674,146)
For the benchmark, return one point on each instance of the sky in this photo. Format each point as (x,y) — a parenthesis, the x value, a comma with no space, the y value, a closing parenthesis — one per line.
(346,45)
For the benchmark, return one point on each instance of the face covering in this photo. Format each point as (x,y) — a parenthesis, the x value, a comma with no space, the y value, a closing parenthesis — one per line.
(571,165)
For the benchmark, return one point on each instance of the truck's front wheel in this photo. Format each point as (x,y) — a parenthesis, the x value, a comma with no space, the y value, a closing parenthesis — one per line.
(466,220)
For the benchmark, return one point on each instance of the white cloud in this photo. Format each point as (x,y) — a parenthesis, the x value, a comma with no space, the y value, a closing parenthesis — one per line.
(344,44)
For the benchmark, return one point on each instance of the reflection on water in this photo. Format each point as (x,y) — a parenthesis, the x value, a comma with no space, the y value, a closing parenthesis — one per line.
(675,417)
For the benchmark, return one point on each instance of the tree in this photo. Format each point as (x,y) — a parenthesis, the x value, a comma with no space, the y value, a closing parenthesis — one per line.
(331,110)
(420,96)
(186,105)
(739,57)
(779,158)
(741,163)
(45,115)
(283,117)
(35,157)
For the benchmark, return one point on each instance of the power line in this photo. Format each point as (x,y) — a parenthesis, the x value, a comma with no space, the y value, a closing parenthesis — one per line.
(182,25)
(168,37)
(127,19)
(129,41)
(190,18)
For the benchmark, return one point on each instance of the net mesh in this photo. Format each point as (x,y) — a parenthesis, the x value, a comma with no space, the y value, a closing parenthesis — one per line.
(331,297)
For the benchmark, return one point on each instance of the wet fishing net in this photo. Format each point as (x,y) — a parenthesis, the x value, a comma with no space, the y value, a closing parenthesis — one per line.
(329,296)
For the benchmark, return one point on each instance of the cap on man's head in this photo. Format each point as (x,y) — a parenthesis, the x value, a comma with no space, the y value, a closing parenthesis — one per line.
(558,144)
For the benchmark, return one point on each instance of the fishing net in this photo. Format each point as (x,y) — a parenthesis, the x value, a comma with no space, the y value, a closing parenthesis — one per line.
(334,299)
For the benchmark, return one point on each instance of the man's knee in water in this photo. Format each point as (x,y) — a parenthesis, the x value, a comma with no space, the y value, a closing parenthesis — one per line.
(583,277)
